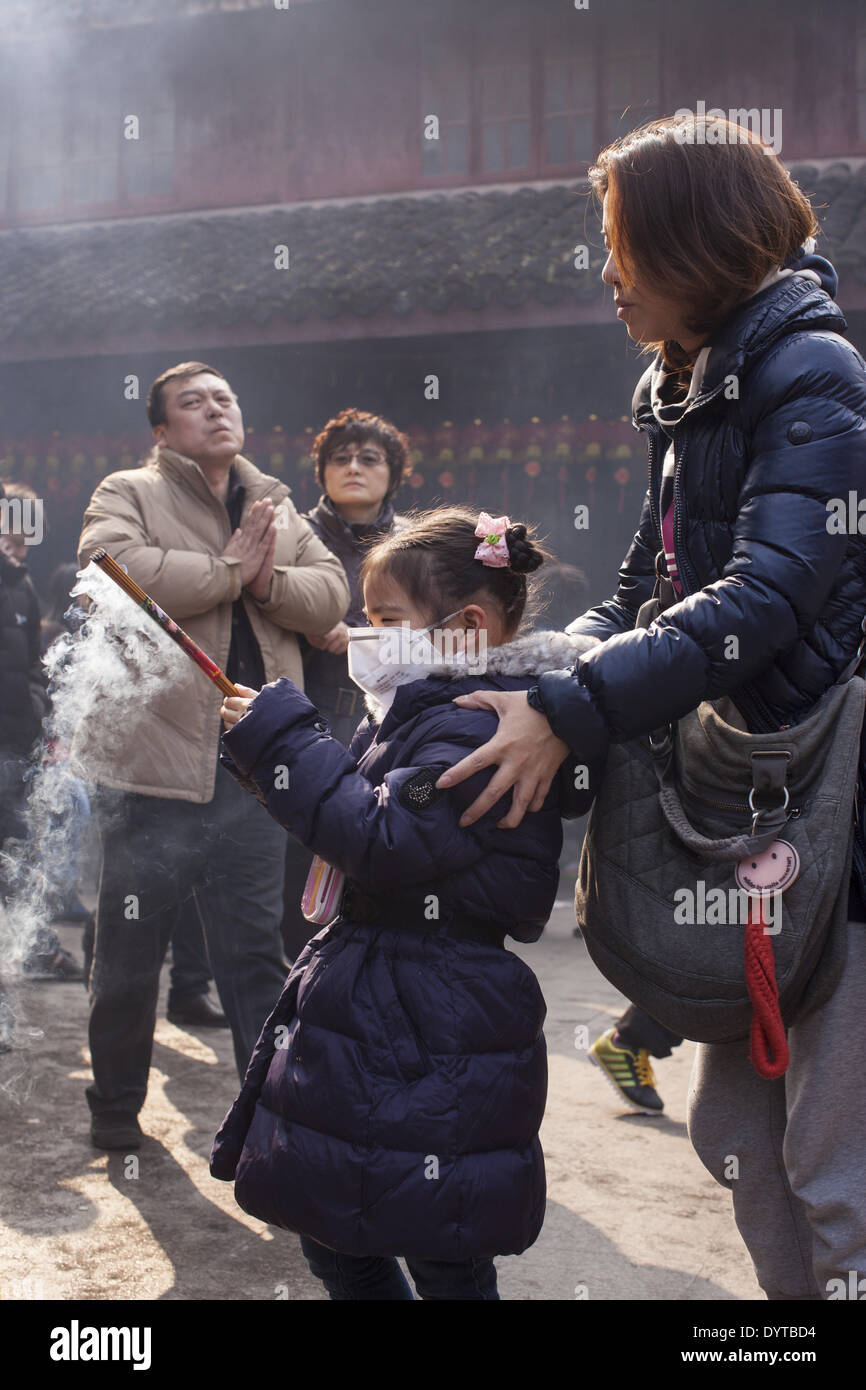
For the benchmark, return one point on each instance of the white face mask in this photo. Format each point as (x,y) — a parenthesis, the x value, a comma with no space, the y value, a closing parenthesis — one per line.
(382,658)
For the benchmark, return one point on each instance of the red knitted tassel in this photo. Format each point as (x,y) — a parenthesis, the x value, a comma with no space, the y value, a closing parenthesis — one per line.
(768,1030)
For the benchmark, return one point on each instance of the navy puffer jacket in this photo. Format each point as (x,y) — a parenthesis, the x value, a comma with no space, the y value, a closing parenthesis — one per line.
(393,1101)
(777,431)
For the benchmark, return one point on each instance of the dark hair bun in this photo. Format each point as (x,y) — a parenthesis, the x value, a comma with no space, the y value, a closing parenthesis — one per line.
(523,555)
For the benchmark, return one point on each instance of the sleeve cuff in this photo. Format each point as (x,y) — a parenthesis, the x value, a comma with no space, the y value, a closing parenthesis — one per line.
(233,566)
(276,709)
(572,713)
(533,697)
(276,593)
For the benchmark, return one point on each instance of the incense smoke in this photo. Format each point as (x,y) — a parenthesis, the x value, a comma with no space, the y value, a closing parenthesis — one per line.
(100,678)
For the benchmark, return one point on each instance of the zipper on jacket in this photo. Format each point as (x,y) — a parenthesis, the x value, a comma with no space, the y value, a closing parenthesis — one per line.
(678,511)
(764,712)
(758,703)
(687,574)
(653,494)
(688,578)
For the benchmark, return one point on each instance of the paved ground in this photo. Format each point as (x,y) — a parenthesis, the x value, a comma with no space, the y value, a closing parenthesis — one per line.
(631,1213)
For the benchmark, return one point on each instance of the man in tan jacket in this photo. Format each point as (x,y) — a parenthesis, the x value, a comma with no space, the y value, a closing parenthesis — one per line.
(219,546)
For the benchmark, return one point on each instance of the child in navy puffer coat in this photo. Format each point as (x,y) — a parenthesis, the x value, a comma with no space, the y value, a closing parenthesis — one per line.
(393,1101)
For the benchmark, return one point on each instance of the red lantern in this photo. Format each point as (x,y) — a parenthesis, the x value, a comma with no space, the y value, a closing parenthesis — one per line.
(444,439)
(589,434)
(621,476)
(126,452)
(562,478)
(77,471)
(419,445)
(618,437)
(53,461)
(28,460)
(302,461)
(532,469)
(446,479)
(416,480)
(534,437)
(563,435)
(504,440)
(276,448)
(474,442)
(591,476)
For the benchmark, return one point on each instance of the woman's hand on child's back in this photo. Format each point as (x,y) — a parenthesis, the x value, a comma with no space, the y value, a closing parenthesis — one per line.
(527,752)
(234,707)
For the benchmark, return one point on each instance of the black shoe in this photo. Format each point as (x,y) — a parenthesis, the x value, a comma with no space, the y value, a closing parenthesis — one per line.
(115,1132)
(200,1012)
(53,965)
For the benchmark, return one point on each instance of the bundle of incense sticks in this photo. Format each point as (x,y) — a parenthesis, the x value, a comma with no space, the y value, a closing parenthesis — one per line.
(113,570)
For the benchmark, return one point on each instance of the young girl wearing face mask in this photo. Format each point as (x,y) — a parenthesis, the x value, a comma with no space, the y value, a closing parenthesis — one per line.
(393,1101)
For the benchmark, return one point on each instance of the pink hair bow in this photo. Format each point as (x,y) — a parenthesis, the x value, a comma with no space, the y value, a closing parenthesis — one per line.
(493,549)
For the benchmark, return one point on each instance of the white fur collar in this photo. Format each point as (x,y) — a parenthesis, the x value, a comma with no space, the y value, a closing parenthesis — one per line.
(526,655)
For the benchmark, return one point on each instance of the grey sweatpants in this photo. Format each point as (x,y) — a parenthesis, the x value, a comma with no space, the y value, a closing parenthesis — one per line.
(793,1151)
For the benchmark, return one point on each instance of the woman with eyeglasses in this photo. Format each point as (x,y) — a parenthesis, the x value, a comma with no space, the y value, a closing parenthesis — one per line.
(361,460)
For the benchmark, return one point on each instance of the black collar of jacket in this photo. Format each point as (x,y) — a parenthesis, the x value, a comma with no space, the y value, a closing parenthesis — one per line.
(780,309)
(346,535)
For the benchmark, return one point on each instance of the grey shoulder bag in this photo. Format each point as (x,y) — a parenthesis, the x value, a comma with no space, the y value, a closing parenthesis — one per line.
(713,882)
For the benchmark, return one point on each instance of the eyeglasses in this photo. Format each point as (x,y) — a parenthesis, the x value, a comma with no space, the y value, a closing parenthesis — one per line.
(341,457)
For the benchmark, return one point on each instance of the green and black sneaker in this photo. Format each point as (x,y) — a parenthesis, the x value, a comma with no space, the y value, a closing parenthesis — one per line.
(628,1072)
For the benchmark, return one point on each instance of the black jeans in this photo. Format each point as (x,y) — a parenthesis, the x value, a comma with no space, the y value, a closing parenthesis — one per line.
(380,1277)
(190,974)
(637,1029)
(160,859)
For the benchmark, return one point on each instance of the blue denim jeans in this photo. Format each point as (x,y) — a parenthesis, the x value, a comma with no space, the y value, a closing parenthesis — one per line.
(162,858)
(380,1276)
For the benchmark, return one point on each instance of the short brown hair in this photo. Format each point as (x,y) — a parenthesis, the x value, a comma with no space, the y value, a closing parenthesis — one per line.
(433,561)
(702,208)
(155,405)
(354,427)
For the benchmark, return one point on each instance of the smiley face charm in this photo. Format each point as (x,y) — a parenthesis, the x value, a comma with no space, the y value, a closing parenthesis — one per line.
(773,871)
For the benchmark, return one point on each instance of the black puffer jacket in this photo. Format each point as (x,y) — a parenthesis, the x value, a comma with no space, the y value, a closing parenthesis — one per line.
(23,685)
(776,431)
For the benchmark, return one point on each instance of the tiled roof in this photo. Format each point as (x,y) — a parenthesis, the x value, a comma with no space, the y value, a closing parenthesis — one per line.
(394,256)
(19,17)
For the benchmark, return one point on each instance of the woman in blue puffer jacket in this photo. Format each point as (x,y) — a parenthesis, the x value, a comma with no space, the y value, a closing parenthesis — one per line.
(754,410)
(393,1101)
